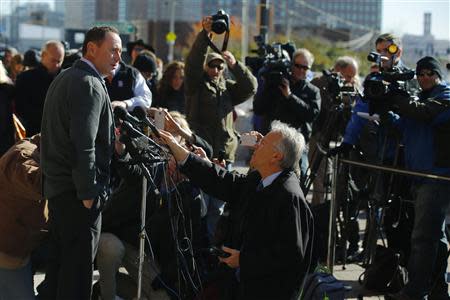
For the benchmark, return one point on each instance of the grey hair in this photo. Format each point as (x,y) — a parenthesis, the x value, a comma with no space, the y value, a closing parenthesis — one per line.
(52,43)
(291,144)
(306,54)
(345,61)
(3,75)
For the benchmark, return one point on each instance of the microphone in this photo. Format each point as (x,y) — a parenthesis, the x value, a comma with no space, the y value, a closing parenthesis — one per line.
(134,133)
(123,115)
(141,114)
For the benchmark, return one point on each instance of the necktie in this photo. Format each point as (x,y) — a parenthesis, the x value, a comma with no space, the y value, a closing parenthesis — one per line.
(259,187)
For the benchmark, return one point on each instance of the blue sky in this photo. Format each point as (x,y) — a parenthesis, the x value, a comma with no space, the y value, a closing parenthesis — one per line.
(399,16)
(406,16)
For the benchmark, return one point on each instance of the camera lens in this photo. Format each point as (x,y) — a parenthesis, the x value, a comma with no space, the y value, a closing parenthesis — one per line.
(219,26)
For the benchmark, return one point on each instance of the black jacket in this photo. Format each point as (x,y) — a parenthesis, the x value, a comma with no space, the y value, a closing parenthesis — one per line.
(171,99)
(31,87)
(6,117)
(122,85)
(271,228)
(299,110)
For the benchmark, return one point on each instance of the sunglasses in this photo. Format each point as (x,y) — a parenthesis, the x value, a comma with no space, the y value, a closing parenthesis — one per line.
(303,67)
(429,74)
(219,67)
(138,49)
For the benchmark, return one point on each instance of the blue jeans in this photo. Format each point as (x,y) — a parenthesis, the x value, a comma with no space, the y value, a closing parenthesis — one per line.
(16,284)
(428,261)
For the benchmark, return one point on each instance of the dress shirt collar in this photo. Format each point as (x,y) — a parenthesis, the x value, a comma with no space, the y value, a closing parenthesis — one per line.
(92,66)
(269,179)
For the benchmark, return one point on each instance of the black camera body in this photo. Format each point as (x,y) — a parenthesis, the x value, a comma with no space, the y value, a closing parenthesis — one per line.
(378,84)
(276,67)
(339,92)
(220,22)
(272,63)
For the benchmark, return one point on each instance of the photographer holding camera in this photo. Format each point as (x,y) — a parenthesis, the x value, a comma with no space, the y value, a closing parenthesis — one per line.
(210,97)
(425,126)
(343,76)
(388,61)
(377,143)
(293,100)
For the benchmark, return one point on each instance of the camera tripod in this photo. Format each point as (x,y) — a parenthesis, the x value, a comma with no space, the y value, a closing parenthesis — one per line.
(333,128)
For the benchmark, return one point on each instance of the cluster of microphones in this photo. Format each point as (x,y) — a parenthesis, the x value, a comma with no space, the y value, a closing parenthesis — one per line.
(136,126)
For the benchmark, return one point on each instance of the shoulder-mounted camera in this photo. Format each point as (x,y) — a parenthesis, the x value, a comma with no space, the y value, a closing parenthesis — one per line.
(378,84)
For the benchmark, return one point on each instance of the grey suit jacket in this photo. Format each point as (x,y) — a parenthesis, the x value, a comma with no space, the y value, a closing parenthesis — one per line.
(77,134)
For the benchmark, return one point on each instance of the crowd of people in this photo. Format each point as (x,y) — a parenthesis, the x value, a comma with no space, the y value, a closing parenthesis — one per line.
(71,188)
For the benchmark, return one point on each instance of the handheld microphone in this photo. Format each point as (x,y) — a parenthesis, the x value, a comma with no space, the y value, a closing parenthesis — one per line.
(141,114)
(123,115)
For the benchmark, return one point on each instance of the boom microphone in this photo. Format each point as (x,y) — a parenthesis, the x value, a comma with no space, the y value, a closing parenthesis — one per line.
(141,114)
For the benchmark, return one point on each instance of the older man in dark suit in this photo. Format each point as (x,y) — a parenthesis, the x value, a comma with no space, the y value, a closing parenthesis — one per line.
(32,86)
(77,146)
(271,222)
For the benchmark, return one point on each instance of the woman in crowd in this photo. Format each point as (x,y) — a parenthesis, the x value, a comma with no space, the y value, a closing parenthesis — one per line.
(17,66)
(171,88)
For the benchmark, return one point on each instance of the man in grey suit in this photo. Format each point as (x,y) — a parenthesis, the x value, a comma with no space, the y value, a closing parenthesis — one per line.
(77,145)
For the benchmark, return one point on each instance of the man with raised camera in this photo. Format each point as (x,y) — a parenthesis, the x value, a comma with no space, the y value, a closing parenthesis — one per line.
(294,100)
(210,96)
(425,126)
(270,241)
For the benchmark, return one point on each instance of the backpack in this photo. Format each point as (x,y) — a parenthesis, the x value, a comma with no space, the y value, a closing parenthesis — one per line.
(320,285)
(385,274)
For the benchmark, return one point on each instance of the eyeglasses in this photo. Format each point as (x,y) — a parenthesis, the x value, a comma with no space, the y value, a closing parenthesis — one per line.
(138,49)
(219,67)
(303,67)
(429,74)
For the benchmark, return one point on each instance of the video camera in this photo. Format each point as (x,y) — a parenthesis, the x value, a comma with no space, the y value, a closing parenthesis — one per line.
(337,89)
(273,62)
(378,84)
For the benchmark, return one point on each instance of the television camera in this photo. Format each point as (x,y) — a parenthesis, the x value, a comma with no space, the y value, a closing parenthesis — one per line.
(273,62)
(379,84)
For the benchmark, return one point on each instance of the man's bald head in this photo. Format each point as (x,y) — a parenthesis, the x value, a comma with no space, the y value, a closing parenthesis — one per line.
(52,56)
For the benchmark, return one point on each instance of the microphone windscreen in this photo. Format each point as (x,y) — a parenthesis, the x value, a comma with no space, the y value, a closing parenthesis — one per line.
(140,113)
(120,113)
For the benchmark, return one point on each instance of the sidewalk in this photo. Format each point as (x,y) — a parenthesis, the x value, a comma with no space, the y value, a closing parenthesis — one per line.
(349,276)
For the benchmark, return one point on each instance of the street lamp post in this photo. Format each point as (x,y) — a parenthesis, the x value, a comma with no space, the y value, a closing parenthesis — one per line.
(171,41)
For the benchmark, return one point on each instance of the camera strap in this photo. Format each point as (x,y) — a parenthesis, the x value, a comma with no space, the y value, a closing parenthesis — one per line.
(224,45)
